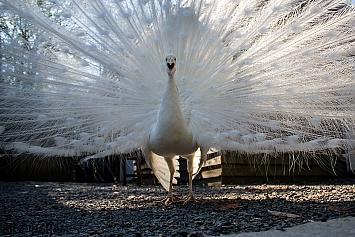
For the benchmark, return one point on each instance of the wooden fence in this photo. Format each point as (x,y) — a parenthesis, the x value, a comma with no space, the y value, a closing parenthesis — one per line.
(226,168)
(248,169)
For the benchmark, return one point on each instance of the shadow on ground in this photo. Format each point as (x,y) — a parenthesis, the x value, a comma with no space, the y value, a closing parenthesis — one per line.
(108,210)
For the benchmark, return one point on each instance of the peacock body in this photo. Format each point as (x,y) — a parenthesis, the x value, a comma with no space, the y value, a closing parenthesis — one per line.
(269,77)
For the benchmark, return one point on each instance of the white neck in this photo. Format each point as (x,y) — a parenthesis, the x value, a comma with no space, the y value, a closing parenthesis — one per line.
(171,135)
(170,118)
(170,111)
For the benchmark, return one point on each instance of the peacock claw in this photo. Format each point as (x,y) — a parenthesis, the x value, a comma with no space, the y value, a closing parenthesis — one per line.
(168,200)
(190,198)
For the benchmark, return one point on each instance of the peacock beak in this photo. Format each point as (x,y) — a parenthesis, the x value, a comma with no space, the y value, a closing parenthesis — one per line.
(170,65)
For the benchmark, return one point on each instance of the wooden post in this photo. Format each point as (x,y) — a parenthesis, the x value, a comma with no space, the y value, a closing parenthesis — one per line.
(138,167)
(124,176)
(118,168)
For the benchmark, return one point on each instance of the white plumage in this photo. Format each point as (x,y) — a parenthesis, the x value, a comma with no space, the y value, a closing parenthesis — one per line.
(251,76)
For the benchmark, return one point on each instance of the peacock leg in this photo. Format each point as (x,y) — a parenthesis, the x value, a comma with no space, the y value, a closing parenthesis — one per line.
(170,199)
(191,196)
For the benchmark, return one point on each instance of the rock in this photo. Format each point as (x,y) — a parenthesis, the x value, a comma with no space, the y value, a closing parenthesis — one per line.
(192,234)
(324,218)
(183,233)
(227,227)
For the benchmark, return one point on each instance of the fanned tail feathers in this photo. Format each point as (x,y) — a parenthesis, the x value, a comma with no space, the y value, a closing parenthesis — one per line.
(253,76)
(160,168)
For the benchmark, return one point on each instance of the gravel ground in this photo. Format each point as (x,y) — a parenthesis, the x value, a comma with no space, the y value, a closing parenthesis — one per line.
(76,209)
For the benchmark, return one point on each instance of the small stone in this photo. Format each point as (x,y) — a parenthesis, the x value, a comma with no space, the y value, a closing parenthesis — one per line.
(192,234)
(280,228)
(324,218)
(226,227)
(199,222)
(183,233)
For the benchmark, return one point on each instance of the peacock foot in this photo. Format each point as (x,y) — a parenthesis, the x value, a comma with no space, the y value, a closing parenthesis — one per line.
(190,198)
(167,201)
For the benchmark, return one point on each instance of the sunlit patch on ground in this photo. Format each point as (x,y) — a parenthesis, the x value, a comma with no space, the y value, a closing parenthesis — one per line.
(103,209)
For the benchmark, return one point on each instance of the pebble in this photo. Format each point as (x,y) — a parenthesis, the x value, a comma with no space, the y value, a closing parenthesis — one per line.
(78,209)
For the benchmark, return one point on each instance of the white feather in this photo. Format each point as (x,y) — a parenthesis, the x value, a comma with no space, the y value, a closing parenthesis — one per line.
(251,77)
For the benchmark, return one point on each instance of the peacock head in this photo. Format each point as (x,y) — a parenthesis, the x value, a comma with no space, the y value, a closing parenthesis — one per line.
(170,64)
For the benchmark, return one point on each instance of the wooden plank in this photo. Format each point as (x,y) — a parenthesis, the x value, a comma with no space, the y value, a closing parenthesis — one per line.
(214,161)
(124,173)
(211,167)
(274,170)
(211,173)
(214,181)
(271,179)
(138,169)
(212,155)
(282,159)
(29,167)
